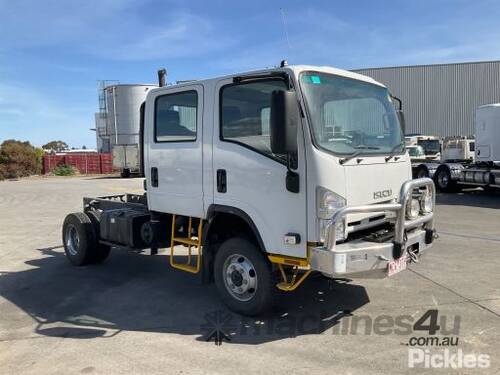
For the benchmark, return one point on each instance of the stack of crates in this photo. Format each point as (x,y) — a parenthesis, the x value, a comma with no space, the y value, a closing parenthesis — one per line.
(85,162)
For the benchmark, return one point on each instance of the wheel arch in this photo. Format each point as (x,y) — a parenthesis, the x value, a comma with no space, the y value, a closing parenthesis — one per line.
(219,218)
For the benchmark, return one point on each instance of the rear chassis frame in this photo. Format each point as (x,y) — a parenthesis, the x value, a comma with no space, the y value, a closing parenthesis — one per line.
(135,202)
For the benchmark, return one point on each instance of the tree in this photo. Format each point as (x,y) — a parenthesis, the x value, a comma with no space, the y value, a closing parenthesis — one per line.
(18,159)
(57,146)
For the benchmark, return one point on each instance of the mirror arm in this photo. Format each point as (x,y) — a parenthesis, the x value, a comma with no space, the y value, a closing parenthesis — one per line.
(292,177)
(400,102)
(291,161)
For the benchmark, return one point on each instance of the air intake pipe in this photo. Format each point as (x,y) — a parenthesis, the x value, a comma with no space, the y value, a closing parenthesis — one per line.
(162,75)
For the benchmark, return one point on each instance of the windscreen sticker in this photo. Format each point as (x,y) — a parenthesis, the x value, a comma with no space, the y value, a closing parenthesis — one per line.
(316,80)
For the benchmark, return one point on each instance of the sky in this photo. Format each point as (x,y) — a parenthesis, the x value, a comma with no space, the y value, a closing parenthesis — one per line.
(53,53)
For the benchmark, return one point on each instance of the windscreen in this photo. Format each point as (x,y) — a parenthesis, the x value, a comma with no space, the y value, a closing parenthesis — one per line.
(350,116)
(431,146)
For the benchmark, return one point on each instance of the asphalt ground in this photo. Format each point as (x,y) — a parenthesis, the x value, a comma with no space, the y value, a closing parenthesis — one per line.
(134,314)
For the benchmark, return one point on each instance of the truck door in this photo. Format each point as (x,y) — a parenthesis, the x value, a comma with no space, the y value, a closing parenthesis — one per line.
(247,175)
(174,151)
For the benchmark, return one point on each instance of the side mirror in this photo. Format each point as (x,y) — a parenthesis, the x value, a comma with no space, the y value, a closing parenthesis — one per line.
(402,121)
(399,112)
(284,120)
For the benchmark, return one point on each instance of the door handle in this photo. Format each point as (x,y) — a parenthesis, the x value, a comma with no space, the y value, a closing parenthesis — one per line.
(154,177)
(221,181)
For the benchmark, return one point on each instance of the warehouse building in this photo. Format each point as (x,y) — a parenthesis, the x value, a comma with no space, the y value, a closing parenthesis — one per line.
(441,99)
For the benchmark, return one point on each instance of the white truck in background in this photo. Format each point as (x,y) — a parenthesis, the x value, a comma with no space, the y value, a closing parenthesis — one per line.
(458,149)
(466,161)
(430,144)
(265,177)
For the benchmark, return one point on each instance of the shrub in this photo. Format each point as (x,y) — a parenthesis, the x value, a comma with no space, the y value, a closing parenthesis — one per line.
(64,170)
(18,159)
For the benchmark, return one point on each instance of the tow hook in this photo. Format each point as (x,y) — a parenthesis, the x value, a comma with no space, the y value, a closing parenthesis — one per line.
(413,254)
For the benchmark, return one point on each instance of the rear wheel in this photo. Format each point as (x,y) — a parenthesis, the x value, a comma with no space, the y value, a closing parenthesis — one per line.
(125,173)
(243,277)
(79,239)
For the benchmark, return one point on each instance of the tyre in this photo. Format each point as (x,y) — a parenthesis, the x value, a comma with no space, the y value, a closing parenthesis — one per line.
(101,251)
(79,239)
(125,173)
(243,277)
(443,180)
(422,172)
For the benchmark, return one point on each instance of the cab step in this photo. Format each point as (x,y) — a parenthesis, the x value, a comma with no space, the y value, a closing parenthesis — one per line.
(193,240)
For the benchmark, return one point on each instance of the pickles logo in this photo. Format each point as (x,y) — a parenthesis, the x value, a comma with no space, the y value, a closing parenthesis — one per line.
(382,194)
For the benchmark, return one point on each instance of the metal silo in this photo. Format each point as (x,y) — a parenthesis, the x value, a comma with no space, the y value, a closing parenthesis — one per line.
(123,102)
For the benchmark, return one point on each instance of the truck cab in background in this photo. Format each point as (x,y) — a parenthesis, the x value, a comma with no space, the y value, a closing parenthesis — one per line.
(268,176)
(430,144)
(458,149)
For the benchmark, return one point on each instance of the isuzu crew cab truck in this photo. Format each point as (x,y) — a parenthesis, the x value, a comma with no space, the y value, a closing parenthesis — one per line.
(255,180)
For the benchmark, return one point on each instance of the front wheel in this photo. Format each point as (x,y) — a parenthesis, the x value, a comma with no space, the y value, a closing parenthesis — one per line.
(125,173)
(243,277)
(422,172)
(443,180)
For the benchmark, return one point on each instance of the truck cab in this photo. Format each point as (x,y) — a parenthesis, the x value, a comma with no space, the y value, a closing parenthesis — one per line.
(430,144)
(458,149)
(278,173)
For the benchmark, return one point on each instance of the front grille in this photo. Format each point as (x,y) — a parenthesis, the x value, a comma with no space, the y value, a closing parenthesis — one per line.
(378,234)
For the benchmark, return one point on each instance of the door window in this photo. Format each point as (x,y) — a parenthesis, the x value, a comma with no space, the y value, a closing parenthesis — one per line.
(244,114)
(176,117)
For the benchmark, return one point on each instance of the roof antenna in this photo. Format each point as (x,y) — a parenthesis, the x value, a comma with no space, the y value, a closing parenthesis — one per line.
(285,30)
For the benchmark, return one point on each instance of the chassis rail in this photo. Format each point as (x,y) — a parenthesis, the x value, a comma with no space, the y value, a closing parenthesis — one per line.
(110,202)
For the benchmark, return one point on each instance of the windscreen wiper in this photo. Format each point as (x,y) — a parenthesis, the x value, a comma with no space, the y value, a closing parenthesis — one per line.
(393,152)
(359,149)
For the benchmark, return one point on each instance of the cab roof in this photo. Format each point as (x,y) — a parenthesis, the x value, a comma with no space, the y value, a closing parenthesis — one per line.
(295,69)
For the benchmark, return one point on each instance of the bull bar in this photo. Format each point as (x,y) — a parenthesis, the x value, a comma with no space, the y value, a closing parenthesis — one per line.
(359,256)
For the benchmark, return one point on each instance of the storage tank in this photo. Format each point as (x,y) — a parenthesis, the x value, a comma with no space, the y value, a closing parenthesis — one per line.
(123,102)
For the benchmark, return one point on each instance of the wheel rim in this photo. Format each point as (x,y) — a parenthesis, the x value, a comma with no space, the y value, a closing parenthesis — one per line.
(443,179)
(72,240)
(240,278)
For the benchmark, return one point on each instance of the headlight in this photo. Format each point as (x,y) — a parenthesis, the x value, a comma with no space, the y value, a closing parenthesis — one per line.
(327,202)
(426,202)
(412,208)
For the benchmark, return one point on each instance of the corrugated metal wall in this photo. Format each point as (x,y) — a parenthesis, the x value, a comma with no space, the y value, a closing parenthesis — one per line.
(441,99)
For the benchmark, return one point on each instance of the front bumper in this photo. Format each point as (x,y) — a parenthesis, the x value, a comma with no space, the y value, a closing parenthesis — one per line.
(361,258)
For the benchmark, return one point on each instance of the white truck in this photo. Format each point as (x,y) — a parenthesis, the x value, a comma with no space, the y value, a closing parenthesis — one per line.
(431,145)
(458,149)
(466,161)
(255,180)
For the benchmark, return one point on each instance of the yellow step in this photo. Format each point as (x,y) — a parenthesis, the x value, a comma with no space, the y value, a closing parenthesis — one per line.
(185,241)
(185,267)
